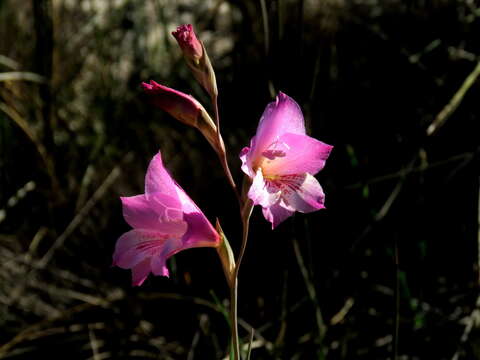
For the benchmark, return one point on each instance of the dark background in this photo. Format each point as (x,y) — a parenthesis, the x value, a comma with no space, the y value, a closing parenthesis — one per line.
(371,76)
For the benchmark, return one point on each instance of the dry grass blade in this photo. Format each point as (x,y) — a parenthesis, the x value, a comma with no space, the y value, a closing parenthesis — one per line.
(22,76)
(250,342)
(14,200)
(457,98)
(81,215)
(93,342)
(322,328)
(8,62)
(338,317)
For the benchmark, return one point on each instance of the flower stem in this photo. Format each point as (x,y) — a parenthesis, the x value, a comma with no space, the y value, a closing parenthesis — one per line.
(246,212)
(233,319)
(222,155)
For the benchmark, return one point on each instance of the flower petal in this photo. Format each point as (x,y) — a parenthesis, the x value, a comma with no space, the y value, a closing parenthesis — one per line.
(280,117)
(302,193)
(122,256)
(136,245)
(158,265)
(187,204)
(158,180)
(168,208)
(138,213)
(262,192)
(246,166)
(295,154)
(158,261)
(200,232)
(276,214)
(140,272)
(141,213)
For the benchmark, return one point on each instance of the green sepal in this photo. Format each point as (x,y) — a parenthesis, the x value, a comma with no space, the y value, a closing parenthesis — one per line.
(226,255)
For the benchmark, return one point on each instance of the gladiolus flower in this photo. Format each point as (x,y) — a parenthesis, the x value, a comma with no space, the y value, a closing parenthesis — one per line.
(186,38)
(281,162)
(164,221)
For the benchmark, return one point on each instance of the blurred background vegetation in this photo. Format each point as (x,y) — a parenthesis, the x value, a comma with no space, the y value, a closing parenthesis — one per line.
(389,270)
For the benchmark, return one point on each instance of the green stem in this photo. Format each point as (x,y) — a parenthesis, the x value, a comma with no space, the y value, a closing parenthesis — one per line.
(222,154)
(234,289)
(233,319)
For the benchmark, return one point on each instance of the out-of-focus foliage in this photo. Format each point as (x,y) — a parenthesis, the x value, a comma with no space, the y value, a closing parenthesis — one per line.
(371,77)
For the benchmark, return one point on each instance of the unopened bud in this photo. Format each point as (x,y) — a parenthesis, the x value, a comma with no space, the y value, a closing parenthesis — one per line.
(184,108)
(186,38)
(181,106)
(197,58)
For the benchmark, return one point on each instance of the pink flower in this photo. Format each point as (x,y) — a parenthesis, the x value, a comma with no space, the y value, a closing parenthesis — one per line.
(165,221)
(282,160)
(186,38)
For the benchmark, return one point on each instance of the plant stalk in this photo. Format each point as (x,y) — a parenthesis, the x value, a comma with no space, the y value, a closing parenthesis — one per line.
(247,211)
(222,155)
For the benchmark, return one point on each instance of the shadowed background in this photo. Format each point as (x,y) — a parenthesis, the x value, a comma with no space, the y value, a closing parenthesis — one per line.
(390,269)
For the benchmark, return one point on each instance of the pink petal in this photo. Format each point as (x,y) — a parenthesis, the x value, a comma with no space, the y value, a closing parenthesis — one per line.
(280,117)
(138,213)
(123,256)
(158,265)
(200,232)
(246,166)
(303,193)
(137,245)
(169,248)
(263,192)
(140,272)
(276,214)
(168,208)
(295,154)
(187,204)
(158,180)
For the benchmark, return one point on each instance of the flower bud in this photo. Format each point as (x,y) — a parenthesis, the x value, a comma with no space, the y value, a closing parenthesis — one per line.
(181,106)
(184,108)
(191,47)
(197,58)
